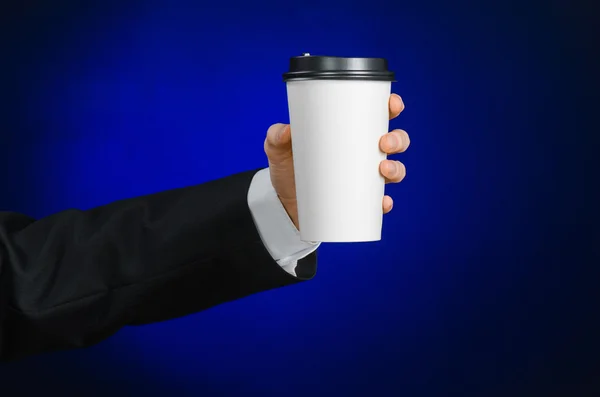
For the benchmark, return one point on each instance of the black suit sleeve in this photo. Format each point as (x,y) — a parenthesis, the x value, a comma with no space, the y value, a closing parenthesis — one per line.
(75,278)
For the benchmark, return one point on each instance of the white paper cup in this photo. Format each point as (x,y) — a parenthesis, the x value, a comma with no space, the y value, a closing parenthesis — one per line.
(338,113)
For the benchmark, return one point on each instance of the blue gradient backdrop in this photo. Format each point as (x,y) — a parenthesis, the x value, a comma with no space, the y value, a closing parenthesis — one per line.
(473,290)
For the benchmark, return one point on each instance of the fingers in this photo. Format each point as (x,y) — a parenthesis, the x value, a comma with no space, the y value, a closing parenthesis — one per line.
(278,135)
(396,141)
(393,171)
(278,143)
(396,105)
(388,204)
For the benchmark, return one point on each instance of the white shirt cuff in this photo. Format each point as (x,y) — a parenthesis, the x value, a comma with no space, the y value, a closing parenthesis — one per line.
(277,231)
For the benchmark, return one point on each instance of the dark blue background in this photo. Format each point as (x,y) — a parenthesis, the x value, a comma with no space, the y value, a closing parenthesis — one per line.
(476,287)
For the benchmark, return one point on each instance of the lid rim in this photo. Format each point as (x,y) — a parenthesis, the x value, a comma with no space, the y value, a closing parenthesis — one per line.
(309,67)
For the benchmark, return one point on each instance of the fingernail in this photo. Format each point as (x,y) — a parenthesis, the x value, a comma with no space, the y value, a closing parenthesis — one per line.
(393,141)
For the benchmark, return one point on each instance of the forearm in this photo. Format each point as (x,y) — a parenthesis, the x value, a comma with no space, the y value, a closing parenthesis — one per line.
(72,279)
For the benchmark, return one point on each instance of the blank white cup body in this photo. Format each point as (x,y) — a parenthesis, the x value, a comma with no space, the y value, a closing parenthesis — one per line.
(336,127)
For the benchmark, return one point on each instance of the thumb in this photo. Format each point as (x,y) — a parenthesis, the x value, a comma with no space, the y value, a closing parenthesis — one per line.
(278,144)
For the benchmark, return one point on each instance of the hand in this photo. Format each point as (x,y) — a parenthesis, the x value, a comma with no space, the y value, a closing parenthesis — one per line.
(278,147)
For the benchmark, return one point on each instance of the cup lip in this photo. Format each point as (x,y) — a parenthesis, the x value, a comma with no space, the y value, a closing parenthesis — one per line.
(339,75)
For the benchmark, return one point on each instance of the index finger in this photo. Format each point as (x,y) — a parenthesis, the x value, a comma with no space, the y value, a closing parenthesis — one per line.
(396,105)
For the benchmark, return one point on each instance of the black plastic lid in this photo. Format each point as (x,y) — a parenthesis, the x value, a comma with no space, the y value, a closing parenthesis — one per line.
(309,67)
